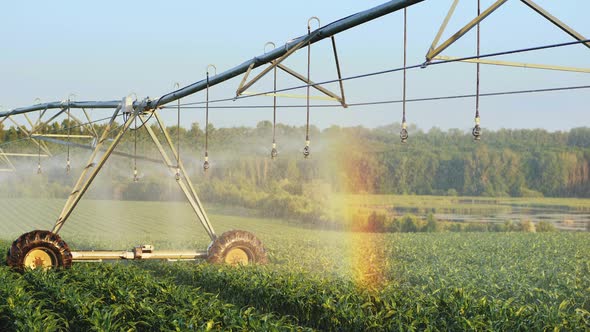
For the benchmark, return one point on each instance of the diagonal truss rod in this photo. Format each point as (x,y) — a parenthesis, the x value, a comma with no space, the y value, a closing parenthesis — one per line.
(92,169)
(184,181)
(514,64)
(438,49)
(555,21)
(434,50)
(29,134)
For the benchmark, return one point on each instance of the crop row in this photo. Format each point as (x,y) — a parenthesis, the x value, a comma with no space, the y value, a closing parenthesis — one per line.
(115,297)
(324,280)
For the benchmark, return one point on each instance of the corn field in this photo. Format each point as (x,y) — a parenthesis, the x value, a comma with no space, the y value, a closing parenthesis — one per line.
(323,280)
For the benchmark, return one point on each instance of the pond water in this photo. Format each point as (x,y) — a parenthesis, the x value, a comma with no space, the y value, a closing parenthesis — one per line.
(563,218)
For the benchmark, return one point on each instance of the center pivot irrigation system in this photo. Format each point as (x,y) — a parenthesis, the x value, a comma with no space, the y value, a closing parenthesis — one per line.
(46,248)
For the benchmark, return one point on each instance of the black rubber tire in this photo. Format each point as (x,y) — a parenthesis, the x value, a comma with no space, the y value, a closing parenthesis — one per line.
(49,242)
(233,239)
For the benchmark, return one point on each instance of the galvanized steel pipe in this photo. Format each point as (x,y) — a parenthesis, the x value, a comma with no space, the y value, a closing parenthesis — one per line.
(319,34)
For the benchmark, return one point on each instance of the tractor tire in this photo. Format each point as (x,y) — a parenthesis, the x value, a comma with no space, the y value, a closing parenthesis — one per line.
(39,249)
(237,247)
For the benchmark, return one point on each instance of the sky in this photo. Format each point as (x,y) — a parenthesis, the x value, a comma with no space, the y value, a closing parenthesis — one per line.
(109,49)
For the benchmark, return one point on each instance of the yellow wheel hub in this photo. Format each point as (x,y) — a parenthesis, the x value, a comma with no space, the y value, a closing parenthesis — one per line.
(237,256)
(38,258)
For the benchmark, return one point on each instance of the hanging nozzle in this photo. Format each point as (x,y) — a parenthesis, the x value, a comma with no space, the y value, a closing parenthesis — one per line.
(177,175)
(39,171)
(476,130)
(206,163)
(306,149)
(68,166)
(403,134)
(274,152)
(135,177)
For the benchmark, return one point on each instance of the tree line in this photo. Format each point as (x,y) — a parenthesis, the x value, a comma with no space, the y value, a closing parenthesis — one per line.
(506,162)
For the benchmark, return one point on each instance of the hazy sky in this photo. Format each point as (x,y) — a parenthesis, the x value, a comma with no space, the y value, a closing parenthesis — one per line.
(108,49)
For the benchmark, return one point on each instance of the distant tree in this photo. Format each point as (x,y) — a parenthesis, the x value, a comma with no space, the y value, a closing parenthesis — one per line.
(528,226)
(497,227)
(476,227)
(511,226)
(431,224)
(409,224)
(376,223)
(579,137)
(545,226)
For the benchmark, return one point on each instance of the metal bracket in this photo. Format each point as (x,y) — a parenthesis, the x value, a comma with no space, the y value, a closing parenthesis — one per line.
(30,135)
(436,51)
(93,168)
(244,85)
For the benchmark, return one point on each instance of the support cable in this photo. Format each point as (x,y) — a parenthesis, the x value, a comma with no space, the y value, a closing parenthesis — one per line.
(206,165)
(274,152)
(399,101)
(476,132)
(39,171)
(135,175)
(393,70)
(177,175)
(369,103)
(306,150)
(404,132)
(68,167)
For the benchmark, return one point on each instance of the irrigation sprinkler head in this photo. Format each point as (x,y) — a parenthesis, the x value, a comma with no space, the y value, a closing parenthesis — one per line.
(68,166)
(206,163)
(135,177)
(476,132)
(306,150)
(404,133)
(39,171)
(274,152)
(177,175)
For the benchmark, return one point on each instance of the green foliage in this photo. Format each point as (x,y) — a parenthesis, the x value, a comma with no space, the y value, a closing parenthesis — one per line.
(325,280)
(516,163)
(545,226)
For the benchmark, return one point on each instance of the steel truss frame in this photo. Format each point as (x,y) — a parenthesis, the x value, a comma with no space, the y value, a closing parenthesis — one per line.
(435,49)
(242,88)
(145,109)
(39,138)
(97,160)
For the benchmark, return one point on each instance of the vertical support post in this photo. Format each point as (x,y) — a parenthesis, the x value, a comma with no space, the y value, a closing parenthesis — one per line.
(342,100)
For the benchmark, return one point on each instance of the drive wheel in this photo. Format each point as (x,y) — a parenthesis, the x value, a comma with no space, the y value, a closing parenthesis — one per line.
(237,247)
(39,250)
